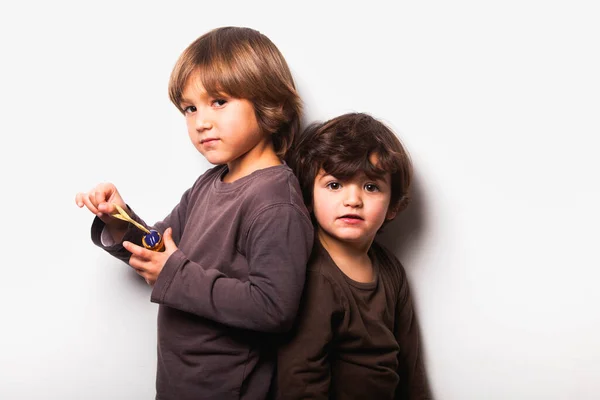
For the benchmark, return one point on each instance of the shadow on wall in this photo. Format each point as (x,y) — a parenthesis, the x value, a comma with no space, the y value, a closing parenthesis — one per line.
(403,235)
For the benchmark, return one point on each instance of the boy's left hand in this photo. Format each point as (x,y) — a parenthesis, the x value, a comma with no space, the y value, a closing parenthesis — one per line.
(148,263)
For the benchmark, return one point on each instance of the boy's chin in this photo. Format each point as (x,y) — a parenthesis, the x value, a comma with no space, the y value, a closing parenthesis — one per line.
(351,239)
(215,160)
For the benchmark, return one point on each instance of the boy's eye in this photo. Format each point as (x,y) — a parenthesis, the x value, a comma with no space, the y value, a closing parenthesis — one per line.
(189,109)
(370,187)
(334,185)
(219,102)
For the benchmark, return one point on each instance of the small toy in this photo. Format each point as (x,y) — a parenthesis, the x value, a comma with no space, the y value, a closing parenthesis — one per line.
(152,240)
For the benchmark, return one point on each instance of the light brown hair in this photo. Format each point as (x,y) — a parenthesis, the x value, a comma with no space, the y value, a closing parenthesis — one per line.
(243,63)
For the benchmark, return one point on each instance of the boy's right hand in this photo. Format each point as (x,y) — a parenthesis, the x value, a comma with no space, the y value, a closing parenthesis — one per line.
(100,201)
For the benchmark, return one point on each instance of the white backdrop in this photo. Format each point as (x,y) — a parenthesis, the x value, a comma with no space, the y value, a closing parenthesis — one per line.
(498,102)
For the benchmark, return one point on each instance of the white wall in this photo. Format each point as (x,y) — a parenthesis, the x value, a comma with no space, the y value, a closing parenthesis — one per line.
(497,101)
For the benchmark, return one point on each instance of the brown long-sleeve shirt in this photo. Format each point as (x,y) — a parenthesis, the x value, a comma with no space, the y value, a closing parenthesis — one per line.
(353,340)
(235,280)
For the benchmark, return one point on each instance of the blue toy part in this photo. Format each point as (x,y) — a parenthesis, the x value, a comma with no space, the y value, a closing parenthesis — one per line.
(153,241)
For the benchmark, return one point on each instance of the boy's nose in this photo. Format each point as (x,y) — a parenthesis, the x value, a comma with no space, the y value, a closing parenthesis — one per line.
(202,123)
(353,198)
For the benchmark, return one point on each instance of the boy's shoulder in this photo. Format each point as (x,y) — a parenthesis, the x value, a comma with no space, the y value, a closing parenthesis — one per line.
(278,181)
(274,188)
(271,176)
(271,186)
(321,266)
(322,263)
(323,275)
(390,268)
(210,175)
(380,252)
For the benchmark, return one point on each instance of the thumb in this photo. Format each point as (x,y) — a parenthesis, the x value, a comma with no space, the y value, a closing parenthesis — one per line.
(168,240)
(106,207)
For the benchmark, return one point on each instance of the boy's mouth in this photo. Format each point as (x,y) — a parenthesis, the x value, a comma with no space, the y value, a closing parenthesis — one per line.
(207,140)
(351,217)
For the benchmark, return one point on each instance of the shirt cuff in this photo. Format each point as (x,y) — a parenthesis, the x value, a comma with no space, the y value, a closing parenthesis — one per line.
(106,238)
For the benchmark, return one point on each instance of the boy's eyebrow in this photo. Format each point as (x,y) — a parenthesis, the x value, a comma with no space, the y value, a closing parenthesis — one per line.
(201,93)
(184,99)
(324,175)
(204,95)
(379,179)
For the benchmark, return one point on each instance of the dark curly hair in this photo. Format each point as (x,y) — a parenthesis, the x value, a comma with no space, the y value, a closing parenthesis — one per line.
(343,147)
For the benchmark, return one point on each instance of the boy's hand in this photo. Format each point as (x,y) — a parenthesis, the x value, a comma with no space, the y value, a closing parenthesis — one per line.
(100,201)
(148,263)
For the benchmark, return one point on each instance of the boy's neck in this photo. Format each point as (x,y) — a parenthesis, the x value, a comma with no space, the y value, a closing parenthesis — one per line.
(255,159)
(351,259)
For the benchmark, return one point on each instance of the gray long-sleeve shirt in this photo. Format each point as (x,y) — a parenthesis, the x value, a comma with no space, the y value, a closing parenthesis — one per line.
(235,280)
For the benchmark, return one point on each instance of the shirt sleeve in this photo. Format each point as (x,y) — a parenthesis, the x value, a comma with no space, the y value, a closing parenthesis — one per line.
(413,381)
(303,366)
(278,244)
(102,238)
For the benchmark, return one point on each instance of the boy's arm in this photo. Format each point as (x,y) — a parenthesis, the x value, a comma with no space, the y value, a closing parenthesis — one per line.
(303,361)
(175,220)
(113,247)
(413,380)
(278,244)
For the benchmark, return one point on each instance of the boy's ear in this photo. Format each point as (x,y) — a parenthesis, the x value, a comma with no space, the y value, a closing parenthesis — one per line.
(392,212)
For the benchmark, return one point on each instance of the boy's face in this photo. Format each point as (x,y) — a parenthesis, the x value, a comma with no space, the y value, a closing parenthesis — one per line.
(351,211)
(223,129)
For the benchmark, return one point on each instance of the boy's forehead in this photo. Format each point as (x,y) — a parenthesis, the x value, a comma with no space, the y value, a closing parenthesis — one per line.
(194,86)
(374,160)
(386,177)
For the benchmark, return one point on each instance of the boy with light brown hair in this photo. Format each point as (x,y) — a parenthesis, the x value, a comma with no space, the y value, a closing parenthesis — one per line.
(237,243)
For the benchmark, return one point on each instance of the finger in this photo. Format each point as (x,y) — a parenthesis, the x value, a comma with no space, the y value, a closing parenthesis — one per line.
(86,198)
(168,239)
(137,265)
(100,199)
(78,200)
(138,251)
(108,207)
